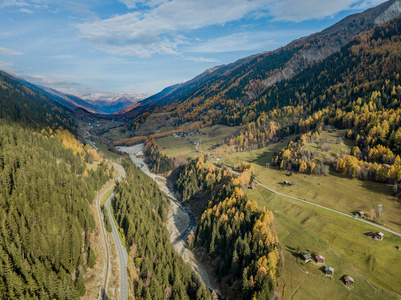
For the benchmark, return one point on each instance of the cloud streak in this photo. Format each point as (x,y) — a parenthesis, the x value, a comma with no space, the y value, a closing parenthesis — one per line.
(158,26)
(157,30)
(297,11)
(6,51)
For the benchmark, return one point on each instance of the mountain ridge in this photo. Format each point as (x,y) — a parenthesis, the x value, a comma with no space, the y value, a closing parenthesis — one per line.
(294,57)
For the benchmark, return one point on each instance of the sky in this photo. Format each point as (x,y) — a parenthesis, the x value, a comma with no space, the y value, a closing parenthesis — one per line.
(141,46)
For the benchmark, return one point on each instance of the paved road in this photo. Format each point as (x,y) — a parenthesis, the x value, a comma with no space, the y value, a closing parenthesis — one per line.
(199,150)
(105,241)
(332,210)
(122,252)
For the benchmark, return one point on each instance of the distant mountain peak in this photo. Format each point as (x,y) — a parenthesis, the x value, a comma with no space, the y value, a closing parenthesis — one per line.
(112,103)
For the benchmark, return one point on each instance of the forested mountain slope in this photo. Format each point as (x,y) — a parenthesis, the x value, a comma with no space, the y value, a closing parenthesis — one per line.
(347,89)
(66,100)
(45,191)
(29,107)
(246,80)
(158,272)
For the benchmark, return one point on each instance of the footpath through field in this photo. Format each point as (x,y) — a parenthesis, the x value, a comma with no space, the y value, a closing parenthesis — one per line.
(330,209)
(317,205)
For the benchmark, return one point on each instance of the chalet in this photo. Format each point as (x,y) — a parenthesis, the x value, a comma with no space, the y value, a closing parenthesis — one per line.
(287,182)
(319,259)
(306,257)
(378,236)
(348,280)
(360,214)
(329,271)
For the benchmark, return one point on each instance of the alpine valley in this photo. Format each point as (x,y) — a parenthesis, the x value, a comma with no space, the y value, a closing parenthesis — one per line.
(277,176)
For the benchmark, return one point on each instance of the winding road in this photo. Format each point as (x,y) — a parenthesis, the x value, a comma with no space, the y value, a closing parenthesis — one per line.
(122,252)
(105,241)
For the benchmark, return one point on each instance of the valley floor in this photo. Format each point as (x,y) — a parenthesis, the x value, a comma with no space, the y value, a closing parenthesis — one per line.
(179,221)
(306,228)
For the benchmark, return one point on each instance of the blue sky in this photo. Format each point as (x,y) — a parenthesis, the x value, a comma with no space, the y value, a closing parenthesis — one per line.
(134,46)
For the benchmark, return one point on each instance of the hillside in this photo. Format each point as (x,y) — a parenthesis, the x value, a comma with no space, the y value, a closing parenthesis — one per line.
(245,80)
(46,187)
(66,100)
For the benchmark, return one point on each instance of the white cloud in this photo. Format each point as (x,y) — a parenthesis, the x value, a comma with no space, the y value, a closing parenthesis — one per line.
(297,11)
(9,3)
(154,27)
(248,41)
(25,10)
(61,85)
(145,32)
(147,3)
(202,59)
(5,64)
(64,56)
(6,51)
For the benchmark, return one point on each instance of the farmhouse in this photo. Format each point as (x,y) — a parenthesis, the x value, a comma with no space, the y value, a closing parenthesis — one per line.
(329,271)
(306,257)
(360,214)
(378,236)
(348,280)
(319,259)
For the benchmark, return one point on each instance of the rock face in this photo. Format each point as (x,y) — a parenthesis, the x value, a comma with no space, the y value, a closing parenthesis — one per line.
(392,12)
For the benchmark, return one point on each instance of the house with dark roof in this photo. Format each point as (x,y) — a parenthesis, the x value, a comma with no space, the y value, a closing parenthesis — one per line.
(378,236)
(306,257)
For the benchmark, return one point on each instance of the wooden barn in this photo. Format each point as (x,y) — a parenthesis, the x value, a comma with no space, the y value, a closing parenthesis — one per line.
(378,236)
(348,280)
(319,259)
(360,214)
(329,271)
(306,257)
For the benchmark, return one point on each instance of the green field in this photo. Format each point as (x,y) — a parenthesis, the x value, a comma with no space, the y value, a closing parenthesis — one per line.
(214,135)
(304,227)
(160,122)
(331,143)
(342,242)
(333,191)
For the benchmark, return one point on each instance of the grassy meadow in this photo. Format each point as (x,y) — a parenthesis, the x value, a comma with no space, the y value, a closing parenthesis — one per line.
(303,227)
(342,242)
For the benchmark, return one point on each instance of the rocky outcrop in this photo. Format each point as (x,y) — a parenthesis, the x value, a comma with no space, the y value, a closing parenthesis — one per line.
(392,12)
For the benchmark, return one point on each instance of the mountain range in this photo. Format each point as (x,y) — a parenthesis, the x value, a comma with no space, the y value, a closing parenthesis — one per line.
(94,103)
(246,79)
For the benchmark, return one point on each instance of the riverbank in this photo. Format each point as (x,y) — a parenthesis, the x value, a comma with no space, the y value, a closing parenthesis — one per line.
(179,220)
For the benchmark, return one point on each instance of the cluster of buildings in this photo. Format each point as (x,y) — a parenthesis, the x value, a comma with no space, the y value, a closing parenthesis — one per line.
(329,271)
(183,134)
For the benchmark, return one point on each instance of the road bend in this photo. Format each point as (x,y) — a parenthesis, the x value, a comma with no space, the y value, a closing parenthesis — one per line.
(122,252)
(105,241)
